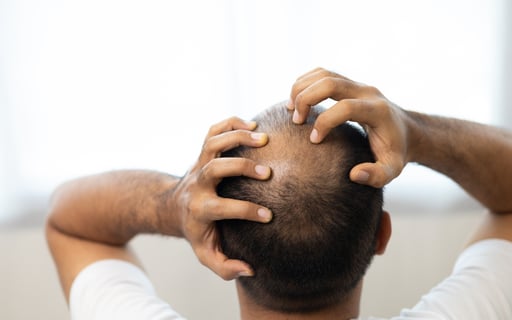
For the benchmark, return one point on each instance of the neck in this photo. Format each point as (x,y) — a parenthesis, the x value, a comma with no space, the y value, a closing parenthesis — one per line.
(349,309)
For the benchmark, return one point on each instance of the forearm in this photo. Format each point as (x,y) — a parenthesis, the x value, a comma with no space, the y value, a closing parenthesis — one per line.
(113,207)
(478,157)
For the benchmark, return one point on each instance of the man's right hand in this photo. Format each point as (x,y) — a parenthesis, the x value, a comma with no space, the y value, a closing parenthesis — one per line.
(197,205)
(388,127)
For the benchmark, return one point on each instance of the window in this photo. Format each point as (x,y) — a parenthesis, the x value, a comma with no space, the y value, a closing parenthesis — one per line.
(99,85)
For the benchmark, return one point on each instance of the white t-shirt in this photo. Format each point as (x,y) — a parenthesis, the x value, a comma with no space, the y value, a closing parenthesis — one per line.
(480,287)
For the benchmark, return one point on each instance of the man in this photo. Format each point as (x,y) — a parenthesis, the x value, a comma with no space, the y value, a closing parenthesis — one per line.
(93,218)
(325,229)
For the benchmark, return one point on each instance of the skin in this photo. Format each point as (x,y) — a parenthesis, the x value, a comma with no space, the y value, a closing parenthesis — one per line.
(95,217)
(348,309)
(456,148)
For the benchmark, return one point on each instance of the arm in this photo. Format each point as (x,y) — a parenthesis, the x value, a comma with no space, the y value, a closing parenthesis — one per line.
(476,156)
(95,217)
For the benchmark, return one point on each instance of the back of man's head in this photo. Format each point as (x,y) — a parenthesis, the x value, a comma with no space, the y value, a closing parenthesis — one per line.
(323,234)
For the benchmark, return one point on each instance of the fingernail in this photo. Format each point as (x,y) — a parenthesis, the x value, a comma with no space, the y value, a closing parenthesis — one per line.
(314,136)
(295,118)
(263,171)
(289,105)
(362,176)
(258,136)
(251,124)
(245,273)
(265,214)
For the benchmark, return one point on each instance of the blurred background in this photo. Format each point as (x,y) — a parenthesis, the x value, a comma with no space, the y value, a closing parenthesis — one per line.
(90,86)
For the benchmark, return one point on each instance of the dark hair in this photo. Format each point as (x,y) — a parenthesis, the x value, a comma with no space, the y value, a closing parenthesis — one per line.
(323,233)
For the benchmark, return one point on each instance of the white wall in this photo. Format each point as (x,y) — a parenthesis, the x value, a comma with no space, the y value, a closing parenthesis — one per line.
(401,50)
(97,85)
(505,115)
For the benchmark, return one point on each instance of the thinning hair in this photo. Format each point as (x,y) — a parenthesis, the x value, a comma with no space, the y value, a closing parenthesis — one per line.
(323,233)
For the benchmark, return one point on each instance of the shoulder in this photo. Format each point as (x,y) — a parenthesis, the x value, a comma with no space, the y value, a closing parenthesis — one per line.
(480,286)
(492,255)
(116,289)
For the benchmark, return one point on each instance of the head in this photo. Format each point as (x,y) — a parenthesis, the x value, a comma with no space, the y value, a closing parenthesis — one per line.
(325,228)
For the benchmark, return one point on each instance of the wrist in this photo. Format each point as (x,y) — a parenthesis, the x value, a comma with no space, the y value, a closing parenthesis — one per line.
(416,136)
(170,209)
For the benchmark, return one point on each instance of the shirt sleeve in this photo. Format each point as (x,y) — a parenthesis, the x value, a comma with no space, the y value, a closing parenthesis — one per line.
(116,289)
(480,287)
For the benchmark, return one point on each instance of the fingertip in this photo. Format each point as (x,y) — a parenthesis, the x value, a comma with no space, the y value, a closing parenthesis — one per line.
(360,176)
(260,137)
(245,273)
(242,269)
(295,117)
(263,171)
(232,269)
(265,214)
(369,174)
(251,125)
(315,137)
(362,173)
(289,105)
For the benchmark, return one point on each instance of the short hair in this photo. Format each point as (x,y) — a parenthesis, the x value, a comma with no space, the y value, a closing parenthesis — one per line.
(322,237)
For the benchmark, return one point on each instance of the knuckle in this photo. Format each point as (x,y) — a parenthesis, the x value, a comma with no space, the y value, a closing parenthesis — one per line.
(324,72)
(239,136)
(382,107)
(207,145)
(210,131)
(211,205)
(296,89)
(194,207)
(212,145)
(380,183)
(324,122)
(224,275)
(242,166)
(329,83)
(246,165)
(201,256)
(215,128)
(299,99)
(233,120)
(224,126)
(207,170)
(371,90)
(349,106)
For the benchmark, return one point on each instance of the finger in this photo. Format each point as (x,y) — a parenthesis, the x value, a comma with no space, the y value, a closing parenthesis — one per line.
(376,175)
(314,71)
(318,73)
(326,87)
(224,267)
(217,144)
(307,79)
(219,168)
(217,208)
(304,81)
(367,112)
(233,123)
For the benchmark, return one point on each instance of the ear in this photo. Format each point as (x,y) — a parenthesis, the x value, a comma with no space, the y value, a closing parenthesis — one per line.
(384,233)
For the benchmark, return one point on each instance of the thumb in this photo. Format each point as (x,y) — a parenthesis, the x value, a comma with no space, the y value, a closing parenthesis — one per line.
(376,175)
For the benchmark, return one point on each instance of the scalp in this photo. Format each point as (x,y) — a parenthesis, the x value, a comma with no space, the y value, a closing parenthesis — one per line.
(321,238)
